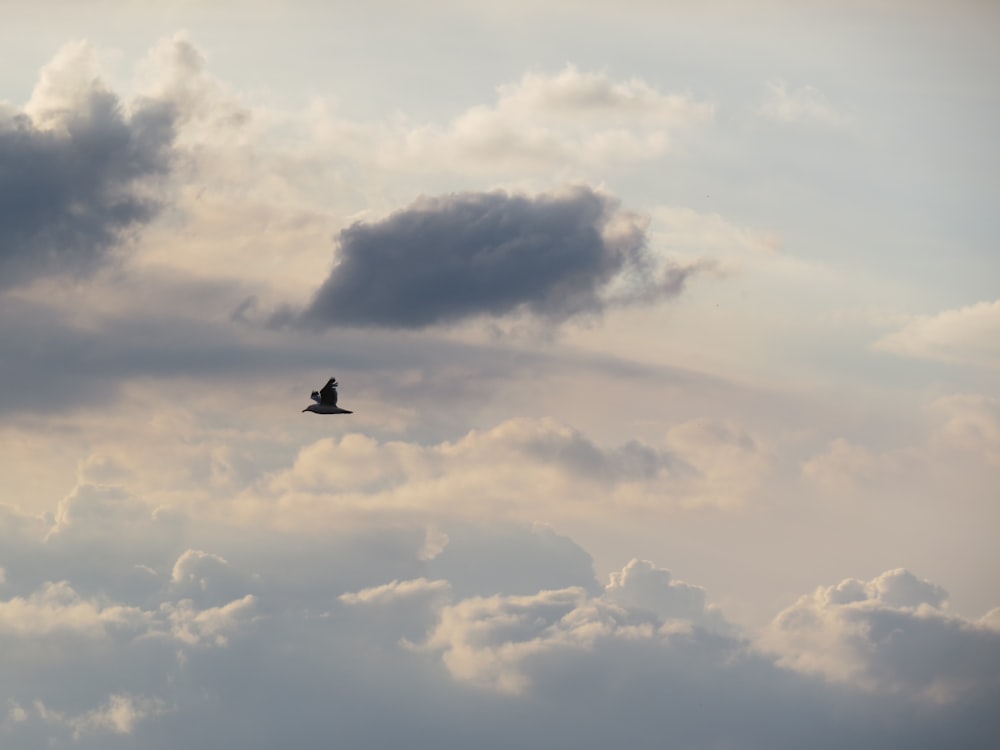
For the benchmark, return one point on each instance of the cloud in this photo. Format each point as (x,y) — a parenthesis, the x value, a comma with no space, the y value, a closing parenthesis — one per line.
(345,629)
(398,610)
(465,255)
(77,165)
(394,591)
(641,585)
(207,579)
(69,353)
(485,640)
(175,70)
(964,336)
(971,423)
(963,426)
(212,625)
(506,469)
(120,715)
(571,93)
(552,121)
(843,464)
(712,234)
(727,461)
(889,634)
(89,505)
(495,641)
(806,104)
(57,608)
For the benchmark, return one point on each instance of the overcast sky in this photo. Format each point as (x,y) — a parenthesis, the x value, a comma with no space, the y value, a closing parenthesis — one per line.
(671,332)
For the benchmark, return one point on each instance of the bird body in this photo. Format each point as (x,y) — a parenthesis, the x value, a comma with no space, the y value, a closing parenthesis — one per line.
(326,409)
(326,400)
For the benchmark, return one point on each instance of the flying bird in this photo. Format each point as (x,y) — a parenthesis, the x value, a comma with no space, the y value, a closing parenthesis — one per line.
(326,400)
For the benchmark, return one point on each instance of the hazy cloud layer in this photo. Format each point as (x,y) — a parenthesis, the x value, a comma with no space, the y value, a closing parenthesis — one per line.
(502,471)
(470,254)
(74,167)
(971,424)
(805,104)
(227,572)
(965,336)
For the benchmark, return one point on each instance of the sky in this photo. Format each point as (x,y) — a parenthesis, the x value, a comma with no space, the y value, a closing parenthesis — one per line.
(670,332)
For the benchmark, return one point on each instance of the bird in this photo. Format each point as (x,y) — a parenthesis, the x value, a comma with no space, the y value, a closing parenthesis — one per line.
(326,400)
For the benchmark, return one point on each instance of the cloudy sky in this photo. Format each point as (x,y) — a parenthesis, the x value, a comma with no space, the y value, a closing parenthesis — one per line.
(671,332)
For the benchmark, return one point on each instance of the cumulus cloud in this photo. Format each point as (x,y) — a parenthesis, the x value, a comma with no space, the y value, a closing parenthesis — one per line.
(507,468)
(449,258)
(58,609)
(326,647)
(965,336)
(497,641)
(77,165)
(550,121)
(88,506)
(485,640)
(212,625)
(641,585)
(207,578)
(891,633)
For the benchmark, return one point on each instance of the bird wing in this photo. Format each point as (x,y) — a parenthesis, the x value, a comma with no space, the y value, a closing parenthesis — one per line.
(328,393)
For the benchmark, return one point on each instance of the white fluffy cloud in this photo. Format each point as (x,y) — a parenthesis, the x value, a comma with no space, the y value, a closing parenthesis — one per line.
(551,121)
(891,633)
(57,609)
(498,642)
(641,585)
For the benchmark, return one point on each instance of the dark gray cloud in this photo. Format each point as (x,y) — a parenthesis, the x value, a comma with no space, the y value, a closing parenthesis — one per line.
(50,362)
(458,256)
(69,194)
